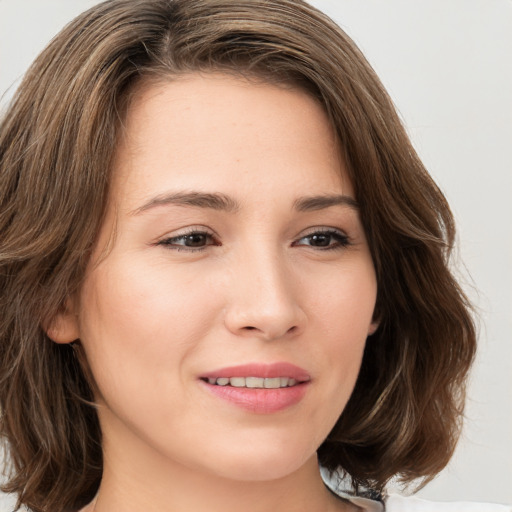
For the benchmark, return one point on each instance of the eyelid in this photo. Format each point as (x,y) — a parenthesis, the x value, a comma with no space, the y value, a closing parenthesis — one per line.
(343,238)
(166,240)
(322,229)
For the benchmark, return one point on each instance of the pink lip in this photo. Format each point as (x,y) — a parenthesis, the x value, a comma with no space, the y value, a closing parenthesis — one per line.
(280,369)
(261,401)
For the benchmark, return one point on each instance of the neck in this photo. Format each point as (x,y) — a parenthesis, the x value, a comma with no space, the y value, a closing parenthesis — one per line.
(302,491)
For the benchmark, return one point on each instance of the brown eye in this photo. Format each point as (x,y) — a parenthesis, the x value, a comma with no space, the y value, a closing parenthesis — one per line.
(325,240)
(321,240)
(195,240)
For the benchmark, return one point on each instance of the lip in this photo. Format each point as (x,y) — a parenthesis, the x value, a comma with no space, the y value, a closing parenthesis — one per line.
(279,369)
(257,400)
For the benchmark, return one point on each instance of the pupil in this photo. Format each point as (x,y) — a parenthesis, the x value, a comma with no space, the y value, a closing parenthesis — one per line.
(321,240)
(195,240)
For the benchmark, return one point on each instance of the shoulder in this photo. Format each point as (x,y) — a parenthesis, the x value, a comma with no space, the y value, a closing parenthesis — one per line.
(396,503)
(370,501)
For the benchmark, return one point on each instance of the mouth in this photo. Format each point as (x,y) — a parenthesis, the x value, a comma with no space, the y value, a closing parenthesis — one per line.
(259,388)
(254,382)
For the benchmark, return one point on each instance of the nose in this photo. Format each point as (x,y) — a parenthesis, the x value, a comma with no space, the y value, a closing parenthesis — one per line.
(263,299)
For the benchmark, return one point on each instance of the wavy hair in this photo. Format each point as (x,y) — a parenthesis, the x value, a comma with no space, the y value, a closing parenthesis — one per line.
(56,148)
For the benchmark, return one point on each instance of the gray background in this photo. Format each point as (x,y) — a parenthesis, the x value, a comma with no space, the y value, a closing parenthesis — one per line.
(447,65)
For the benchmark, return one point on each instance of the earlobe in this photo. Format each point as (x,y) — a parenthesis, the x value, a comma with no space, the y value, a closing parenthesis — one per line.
(63,327)
(373,327)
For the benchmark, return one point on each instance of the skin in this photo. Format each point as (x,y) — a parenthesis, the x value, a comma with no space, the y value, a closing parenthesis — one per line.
(153,314)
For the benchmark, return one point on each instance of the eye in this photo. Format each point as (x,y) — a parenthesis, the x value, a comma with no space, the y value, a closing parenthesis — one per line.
(191,241)
(324,239)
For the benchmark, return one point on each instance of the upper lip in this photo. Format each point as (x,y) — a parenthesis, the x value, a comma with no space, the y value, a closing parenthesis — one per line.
(279,369)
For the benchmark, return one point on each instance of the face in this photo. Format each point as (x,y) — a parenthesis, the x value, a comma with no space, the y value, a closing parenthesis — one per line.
(239,254)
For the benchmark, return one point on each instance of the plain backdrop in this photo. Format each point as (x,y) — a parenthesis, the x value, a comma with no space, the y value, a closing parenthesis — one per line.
(448,67)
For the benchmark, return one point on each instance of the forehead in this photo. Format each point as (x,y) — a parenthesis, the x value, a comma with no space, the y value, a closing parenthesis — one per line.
(204,131)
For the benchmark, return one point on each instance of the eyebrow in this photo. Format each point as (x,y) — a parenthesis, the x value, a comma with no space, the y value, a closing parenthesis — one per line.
(214,201)
(312,203)
(223,202)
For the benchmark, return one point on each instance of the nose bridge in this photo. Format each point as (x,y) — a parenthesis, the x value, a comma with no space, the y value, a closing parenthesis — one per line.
(264,297)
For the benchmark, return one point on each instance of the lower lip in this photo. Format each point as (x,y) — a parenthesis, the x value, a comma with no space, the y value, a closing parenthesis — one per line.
(262,401)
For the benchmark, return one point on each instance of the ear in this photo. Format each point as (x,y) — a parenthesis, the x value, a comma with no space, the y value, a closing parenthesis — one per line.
(63,327)
(373,327)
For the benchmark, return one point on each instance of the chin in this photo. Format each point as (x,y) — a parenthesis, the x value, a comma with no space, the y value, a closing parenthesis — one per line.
(263,463)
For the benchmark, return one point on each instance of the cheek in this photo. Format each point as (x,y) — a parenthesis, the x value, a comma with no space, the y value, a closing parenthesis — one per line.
(344,302)
(343,311)
(138,319)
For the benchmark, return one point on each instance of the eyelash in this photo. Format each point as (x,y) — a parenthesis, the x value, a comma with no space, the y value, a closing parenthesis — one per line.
(170,242)
(341,240)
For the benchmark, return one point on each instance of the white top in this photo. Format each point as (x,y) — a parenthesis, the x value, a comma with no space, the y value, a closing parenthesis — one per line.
(396,503)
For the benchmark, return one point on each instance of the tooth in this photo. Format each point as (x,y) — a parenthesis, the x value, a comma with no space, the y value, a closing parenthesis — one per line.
(272,383)
(237,382)
(254,382)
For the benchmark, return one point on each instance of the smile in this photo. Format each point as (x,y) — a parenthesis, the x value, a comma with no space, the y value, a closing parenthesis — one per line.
(259,388)
(254,382)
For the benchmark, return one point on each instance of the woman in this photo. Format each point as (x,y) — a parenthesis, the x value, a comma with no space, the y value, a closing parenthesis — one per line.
(222,266)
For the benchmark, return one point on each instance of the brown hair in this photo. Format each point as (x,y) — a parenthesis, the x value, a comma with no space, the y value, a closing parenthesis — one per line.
(56,148)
